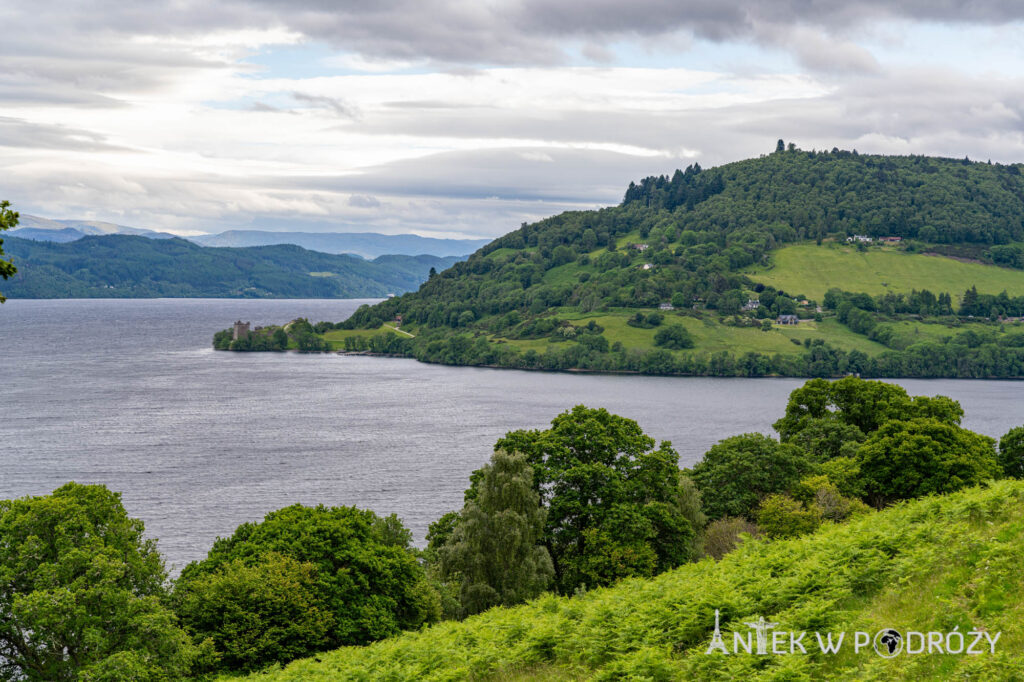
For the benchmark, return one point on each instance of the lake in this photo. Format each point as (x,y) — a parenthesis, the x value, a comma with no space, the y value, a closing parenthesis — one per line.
(128,393)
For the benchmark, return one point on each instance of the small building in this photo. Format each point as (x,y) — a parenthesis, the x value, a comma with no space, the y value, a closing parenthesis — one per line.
(891,240)
(647,266)
(640,247)
(788,319)
(860,238)
(398,320)
(666,306)
(752,304)
(241,330)
(804,302)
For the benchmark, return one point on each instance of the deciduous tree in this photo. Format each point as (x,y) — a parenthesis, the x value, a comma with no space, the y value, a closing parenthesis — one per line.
(495,549)
(82,592)
(8,219)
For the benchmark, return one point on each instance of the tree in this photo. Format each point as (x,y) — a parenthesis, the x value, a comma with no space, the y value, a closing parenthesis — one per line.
(1011,452)
(8,220)
(256,613)
(907,459)
(494,548)
(738,472)
(82,592)
(858,402)
(616,506)
(365,578)
(673,336)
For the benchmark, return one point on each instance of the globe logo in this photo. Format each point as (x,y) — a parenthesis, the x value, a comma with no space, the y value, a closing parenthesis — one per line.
(888,643)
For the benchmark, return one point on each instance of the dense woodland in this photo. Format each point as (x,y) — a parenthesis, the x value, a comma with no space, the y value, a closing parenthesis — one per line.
(125,266)
(567,510)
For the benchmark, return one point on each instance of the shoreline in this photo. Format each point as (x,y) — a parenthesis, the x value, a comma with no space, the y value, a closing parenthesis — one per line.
(610,372)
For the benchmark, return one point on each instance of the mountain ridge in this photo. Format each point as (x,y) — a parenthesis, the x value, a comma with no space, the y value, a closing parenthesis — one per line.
(132,266)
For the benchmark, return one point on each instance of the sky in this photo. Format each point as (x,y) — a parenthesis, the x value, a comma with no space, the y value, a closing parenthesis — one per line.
(466,118)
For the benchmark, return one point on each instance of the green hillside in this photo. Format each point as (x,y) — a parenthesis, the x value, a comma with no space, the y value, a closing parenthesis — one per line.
(812,270)
(123,266)
(937,564)
(691,275)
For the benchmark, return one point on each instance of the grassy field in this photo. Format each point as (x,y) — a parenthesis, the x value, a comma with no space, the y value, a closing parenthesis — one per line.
(710,335)
(336,337)
(928,566)
(810,270)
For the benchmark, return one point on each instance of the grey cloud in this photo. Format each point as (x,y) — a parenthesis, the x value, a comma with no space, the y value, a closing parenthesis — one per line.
(513,32)
(339,107)
(532,31)
(363,201)
(16,132)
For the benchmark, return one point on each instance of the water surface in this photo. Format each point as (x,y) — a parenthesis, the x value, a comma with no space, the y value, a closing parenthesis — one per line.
(128,393)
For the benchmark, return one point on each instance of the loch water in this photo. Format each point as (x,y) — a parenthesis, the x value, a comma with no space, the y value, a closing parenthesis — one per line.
(128,393)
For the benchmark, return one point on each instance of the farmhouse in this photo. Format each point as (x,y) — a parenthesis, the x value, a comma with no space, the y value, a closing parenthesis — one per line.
(788,319)
(860,238)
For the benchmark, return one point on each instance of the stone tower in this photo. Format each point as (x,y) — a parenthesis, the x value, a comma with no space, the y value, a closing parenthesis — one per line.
(241,330)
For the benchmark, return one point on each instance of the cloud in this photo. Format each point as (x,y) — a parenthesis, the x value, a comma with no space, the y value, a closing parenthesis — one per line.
(363,201)
(16,132)
(462,117)
(336,105)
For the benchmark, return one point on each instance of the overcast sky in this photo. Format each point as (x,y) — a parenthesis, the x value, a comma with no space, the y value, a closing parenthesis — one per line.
(466,118)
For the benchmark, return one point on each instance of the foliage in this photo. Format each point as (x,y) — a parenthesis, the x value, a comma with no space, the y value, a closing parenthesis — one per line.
(1011,452)
(820,492)
(674,337)
(723,535)
(691,239)
(738,472)
(615,504)
(851,401)
(256,613)
(494,548)
(8,220)
(906,459)
(124,266)
(81,592)
(933,564)
(364,581)
(780,516)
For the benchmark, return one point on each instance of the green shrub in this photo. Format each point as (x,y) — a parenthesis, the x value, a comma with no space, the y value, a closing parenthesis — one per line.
(723,535)
(780,516)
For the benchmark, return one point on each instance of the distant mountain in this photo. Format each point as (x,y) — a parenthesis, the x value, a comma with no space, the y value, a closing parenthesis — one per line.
(42,229)
(365,244)
(127,266)
(67,234)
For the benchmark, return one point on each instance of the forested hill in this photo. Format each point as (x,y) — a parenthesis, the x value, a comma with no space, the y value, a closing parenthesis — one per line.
(687,251)
(123,266)
(704,225)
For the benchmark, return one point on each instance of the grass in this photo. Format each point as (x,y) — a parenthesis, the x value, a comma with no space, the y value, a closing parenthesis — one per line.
(711,336)
(931,565)
(336,337)
(810,270)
